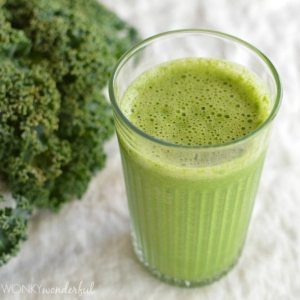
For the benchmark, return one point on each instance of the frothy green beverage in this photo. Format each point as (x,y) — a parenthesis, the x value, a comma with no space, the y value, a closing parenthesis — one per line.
(190,218)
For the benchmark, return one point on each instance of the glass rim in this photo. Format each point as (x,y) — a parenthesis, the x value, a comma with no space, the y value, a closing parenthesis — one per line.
(128,54)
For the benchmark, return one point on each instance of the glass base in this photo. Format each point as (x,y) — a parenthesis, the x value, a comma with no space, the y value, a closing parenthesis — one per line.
(179,282)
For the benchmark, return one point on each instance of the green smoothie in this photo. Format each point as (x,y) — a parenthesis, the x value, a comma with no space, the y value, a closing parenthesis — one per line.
(190,208)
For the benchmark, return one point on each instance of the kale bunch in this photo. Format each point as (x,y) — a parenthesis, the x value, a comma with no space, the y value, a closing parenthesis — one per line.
(56,57)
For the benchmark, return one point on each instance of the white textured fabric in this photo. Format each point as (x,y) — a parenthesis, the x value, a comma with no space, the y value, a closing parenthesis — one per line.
(89,240)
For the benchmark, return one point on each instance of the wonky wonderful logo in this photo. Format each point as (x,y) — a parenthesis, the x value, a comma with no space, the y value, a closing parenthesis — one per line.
(34,288)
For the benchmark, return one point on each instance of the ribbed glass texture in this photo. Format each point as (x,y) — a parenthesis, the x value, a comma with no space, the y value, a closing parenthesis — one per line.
(190,206)
(187,232)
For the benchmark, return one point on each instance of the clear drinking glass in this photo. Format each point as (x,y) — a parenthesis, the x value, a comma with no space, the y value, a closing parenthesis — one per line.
(190,206)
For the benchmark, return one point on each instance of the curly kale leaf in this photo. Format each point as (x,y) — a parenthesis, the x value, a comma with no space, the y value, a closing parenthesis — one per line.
(84,122)
(56,57)
(13,43)
(31,154)
(13,226)
(74,45)
(79,40)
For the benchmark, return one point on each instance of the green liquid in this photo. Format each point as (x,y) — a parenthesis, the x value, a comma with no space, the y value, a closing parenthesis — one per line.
(196,102)
(189,215)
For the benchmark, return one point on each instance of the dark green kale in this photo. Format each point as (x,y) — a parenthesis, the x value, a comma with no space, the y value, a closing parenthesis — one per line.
(31,153)
(13,223)
(56,57)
